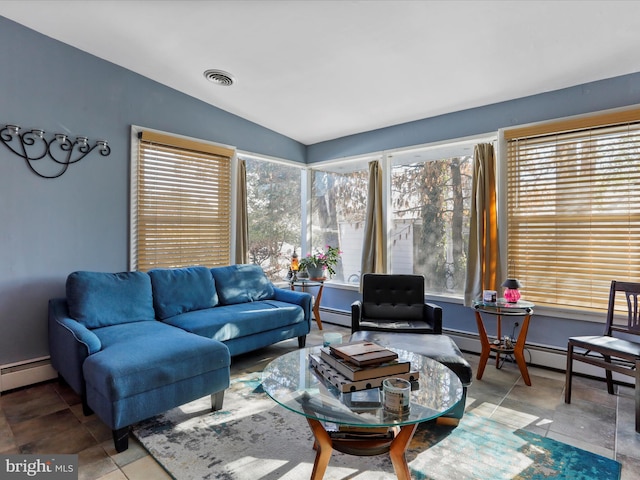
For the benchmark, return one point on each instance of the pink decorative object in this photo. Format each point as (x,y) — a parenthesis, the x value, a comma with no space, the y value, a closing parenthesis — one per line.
(511,295)
(511,292)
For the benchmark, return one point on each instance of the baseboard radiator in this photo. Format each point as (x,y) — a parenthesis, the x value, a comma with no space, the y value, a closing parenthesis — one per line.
(554,358)
(27,372)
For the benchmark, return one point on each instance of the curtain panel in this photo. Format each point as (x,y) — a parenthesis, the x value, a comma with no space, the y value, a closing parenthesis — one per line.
(374,252)
(242,216)
(483,257)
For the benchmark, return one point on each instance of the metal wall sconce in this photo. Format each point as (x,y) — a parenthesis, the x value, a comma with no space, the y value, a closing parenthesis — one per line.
(33,147)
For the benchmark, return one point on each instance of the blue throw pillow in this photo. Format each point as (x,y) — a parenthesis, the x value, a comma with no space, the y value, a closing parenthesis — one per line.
(180,290)
(98,299)
(242,283)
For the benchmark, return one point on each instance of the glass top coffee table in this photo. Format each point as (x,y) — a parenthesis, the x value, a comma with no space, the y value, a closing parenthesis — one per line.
(294,384)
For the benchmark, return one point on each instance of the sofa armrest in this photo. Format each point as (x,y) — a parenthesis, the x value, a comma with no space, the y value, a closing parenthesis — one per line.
(356,315)
(433,315)
(70,343)
(297,298)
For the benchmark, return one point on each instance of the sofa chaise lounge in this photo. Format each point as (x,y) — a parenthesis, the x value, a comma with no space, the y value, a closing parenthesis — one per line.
(136,344)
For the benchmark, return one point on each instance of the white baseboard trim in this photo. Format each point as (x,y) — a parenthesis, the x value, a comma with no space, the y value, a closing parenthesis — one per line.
(27,372)
(336,317)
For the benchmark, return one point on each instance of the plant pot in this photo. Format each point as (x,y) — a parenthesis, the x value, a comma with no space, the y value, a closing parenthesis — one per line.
(316,273)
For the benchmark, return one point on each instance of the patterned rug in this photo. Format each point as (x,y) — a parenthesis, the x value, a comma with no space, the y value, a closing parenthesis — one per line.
(253,438)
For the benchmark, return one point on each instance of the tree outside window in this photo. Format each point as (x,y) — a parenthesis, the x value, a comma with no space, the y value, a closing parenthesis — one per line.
(274,213)
(430,201)
(338,215)
(430,219)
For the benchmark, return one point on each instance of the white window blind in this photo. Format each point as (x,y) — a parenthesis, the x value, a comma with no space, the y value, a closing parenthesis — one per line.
(573,209)
(182,203)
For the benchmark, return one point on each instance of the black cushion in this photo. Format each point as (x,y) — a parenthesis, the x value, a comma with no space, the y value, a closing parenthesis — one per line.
(399,296)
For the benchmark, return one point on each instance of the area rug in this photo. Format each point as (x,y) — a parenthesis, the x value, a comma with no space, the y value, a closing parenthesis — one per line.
(253,438)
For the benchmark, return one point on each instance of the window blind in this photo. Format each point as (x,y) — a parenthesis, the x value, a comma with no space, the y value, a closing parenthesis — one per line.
(182,203)
(572,208)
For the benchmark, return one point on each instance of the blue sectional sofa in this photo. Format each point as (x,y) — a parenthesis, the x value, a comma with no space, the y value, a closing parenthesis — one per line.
(135,344)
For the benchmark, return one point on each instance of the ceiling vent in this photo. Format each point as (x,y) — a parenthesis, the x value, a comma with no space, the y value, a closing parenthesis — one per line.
(219,77)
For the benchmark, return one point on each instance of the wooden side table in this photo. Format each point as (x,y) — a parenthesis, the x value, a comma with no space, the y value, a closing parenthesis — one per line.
(500,309)
(304,285)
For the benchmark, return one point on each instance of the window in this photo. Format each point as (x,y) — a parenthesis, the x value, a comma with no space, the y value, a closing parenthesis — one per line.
(181,203)
(274,211)
(572,208)
(430,198)
(338,208)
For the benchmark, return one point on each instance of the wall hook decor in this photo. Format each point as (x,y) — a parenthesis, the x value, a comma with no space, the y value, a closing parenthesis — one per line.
(61,149)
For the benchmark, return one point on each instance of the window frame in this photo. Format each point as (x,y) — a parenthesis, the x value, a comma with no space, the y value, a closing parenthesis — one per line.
(136,130)
(244,155)
(386,160)
(358,163)
(384,156)
(584,121)
(435,152)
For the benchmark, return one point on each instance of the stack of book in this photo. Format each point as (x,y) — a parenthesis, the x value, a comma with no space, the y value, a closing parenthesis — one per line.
(360,365)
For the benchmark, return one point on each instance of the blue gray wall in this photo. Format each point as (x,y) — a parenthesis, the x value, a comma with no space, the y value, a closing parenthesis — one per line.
(49,228)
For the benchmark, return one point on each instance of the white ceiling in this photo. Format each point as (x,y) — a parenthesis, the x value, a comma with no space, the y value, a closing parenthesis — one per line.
(319,70)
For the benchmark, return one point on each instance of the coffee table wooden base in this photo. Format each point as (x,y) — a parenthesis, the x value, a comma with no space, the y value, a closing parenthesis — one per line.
(396,448)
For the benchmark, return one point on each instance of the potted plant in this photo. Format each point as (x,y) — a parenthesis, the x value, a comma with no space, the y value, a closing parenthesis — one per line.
(316,264)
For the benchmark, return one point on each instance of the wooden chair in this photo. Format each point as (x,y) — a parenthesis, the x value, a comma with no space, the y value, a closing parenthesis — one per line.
(618,349)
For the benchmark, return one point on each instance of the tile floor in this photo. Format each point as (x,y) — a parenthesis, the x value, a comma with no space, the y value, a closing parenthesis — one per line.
(47,418)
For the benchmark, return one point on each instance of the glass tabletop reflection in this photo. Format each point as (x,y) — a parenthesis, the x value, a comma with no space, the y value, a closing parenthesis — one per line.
(503,306)
(292,382)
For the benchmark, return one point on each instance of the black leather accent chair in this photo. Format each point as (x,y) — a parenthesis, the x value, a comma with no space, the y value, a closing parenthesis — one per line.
(395,303)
